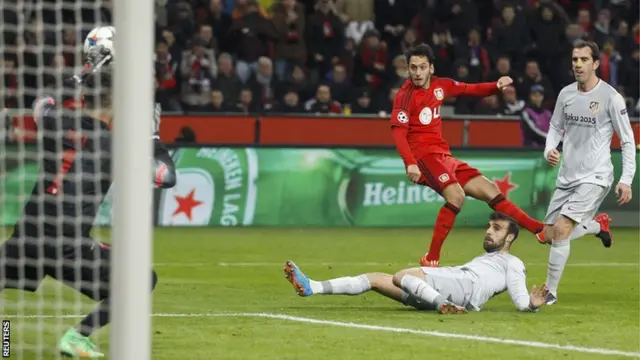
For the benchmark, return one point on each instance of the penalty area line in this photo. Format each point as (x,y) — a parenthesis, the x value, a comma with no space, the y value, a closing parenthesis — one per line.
(431,333)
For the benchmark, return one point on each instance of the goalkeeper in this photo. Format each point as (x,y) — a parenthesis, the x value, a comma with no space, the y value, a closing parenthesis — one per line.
(52,238)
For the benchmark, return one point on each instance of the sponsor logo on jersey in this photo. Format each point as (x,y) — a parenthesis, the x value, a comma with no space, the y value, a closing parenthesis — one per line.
(594,106)
(575,119)
(428,114)
(402,117)
(438,93)
(623,111)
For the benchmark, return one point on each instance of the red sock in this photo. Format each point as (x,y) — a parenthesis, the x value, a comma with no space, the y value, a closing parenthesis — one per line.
(503,205)
(444,223)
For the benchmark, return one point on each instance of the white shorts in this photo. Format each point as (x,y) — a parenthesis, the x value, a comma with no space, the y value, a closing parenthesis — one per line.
(455,284)
(579,203)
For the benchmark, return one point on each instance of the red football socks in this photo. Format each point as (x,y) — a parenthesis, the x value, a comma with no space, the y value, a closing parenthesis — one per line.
(444,223)
(503,205)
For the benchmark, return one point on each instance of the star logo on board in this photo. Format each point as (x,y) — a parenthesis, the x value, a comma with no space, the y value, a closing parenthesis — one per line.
(505,185)
(186,204)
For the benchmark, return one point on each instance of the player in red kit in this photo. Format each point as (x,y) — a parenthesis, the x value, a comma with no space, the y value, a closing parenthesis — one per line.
(417,132)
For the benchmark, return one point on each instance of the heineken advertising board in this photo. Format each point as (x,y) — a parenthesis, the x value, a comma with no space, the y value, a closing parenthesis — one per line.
(324,187)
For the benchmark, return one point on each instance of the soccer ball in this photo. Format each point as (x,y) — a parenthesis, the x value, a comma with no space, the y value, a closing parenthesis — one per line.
(102,35)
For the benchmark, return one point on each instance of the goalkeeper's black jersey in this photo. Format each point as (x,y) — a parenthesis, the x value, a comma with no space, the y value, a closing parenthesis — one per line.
(74,177)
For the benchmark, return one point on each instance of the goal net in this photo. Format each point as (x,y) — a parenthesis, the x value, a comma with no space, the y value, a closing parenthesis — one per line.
(42,46)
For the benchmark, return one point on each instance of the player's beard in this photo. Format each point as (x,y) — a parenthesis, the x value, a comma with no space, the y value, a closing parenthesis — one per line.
(491,245)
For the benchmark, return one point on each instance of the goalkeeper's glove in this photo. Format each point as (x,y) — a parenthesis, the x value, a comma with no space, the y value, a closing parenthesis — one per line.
(97,58)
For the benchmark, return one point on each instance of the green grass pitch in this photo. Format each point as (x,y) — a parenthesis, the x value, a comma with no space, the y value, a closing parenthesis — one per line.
(212,274)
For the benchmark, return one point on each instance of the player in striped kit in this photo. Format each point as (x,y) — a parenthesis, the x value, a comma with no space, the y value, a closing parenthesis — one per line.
(586,115)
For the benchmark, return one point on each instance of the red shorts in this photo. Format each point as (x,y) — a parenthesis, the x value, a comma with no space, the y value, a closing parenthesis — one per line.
(441,170)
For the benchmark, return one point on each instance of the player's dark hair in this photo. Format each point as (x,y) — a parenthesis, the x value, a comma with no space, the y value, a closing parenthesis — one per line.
(97,90)
(421,50)
(595,50)
(513,225)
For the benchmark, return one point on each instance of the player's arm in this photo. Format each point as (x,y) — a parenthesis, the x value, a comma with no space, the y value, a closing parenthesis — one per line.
(517,289)
(454,88)
(622,127)
(164,175)
(400,126)
(556,127)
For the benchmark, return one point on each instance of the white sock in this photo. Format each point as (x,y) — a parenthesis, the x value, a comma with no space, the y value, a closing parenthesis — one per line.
(592,227)
(557,260)
(419,289)
(342,286)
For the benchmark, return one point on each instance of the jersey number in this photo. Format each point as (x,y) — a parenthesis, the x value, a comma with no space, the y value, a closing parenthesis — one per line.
(68,157)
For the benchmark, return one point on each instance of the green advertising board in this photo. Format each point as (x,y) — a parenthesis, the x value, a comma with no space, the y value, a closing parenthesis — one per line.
(319,187)
(340,187)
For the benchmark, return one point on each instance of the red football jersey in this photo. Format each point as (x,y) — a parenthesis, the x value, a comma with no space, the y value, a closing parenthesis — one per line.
(416,111)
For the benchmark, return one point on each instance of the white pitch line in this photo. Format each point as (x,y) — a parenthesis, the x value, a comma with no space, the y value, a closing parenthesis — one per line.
(534,344)
(276,264)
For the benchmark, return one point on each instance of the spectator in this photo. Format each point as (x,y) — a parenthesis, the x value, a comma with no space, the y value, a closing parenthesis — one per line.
(246,103)
(424,22)
(623,41)
(533,76)
(227,80)
(341,87)
(602,27)
(290,103)
(198,69)
(503,68)
(489,105)
(463,104)
(511,36)
(444,51)
(220,23)
(322,103)
(218,103)
(205,34)
(251,33)
(547,30)
(475,54)
(182,22)
(299,81)
(10,83)
(584,20)
(409,40)
(166,72)
(363,103)
(535,119)
(610,63)
(391,20)
(370,64)
(386,106)
(263,84)
(632,74)
(325,36)
(511,105)
(399,71)
(460,16)
(288,19)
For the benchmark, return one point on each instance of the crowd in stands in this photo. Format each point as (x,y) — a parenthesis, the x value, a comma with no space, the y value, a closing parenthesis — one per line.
(339,56)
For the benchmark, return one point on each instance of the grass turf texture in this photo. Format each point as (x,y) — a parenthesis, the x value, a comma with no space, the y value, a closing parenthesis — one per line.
(219,271)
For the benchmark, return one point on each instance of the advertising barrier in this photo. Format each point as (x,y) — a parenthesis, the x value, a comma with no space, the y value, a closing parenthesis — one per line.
(321,188)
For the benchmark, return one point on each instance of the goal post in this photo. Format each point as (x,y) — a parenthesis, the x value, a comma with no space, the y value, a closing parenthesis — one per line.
(41,45)
(130,333)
